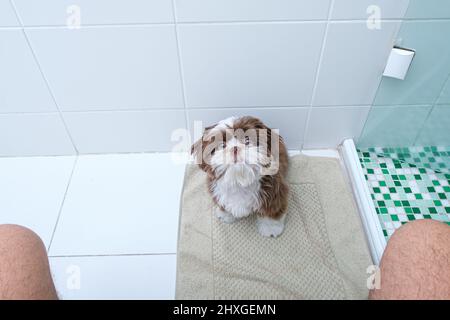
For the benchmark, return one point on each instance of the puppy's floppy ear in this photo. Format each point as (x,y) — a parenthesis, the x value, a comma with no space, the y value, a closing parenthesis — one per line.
(197,152)
(198,147)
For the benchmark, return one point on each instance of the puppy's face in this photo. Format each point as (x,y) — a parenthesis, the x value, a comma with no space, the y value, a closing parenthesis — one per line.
(236,147)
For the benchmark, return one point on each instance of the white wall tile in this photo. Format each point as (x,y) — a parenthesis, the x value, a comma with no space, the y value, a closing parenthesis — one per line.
(121,204)
(290,121)
(104,68)
(124,131)
(116,277)
(362,9)
(250,64)
(57,12)
(329,126)
(33,134)
(248,10)
(32,190)
(353,63)
(7,15)
(22,87)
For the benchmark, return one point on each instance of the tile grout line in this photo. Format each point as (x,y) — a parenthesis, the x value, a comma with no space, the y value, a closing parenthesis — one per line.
(61,116)
(316,78)
(226,22)
(62,202)
(208,108)
(404,14)
(180,65)
(43,76)
(214,108)
(114,255)
(125,153)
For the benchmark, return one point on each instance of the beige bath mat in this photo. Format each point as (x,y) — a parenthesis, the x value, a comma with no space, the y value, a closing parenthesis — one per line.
(322,253)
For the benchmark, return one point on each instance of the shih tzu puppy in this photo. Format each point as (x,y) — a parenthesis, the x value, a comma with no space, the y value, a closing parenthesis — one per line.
(246,164)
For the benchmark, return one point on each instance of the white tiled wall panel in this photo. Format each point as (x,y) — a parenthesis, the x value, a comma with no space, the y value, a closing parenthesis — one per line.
(62,12)
(290,121)
(369,9)
(353,63)
(22,87)
(329,126)
(250,10)
(110,68)
(254,65)
(124,80)
(7,15)
(124,131)
(33,134)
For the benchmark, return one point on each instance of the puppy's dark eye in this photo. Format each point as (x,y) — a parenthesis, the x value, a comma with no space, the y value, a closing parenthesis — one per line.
(220,146)
(247,141)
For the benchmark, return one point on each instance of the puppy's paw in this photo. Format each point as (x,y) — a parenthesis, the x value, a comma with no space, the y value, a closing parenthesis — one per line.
(224,216)
(268,227)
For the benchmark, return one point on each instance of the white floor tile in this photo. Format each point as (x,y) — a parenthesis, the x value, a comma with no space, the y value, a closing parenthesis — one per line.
(115,277)
(120,204)
(32,191)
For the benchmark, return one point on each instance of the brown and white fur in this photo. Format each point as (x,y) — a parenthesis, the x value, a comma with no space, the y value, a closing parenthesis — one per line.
(245,172)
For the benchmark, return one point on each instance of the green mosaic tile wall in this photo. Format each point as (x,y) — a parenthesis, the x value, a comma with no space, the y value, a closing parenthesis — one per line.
(408,184)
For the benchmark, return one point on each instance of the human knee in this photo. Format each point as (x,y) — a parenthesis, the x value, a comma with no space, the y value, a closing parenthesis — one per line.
(24,267)
(420,232)
(415,264)
(21,239)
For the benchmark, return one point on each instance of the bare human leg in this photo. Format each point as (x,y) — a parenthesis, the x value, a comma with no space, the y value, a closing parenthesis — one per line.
(416,263)
(24,267)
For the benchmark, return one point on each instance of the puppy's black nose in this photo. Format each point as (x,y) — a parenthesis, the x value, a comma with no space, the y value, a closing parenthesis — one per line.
(235,150)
